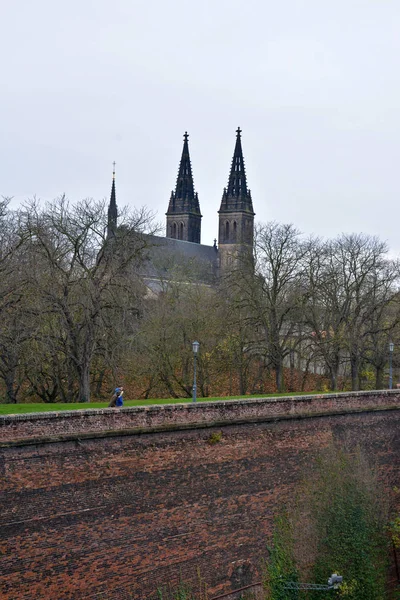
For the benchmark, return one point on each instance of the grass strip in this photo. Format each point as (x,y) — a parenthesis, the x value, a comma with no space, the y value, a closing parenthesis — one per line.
(17,409)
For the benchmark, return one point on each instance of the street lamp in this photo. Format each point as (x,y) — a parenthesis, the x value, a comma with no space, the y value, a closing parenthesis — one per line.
(195,348)
(391,348)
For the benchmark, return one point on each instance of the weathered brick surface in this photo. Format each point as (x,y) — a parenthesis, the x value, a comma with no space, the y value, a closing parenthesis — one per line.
(93,518)
(101,421)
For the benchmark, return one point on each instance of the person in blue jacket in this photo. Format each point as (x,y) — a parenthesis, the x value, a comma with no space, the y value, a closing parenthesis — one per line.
(117,399)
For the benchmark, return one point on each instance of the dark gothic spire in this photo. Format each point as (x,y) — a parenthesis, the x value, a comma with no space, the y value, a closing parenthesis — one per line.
(112,208)
(183,214)
(184,199)
(184,183)
(237,196)
(237,184)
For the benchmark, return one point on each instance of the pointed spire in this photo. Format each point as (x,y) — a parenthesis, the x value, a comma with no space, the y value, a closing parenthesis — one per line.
(184,183)
(236,196)
(184,199)
(112,208)
(237,184)
(183,214)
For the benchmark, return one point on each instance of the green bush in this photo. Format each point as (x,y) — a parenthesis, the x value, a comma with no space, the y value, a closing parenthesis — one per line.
(337,524)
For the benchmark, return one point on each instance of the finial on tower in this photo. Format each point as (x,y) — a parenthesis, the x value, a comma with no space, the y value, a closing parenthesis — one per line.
(114,163)
(238,131)
(185,136)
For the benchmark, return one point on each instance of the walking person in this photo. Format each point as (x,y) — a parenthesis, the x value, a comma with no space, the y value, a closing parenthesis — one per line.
(117,398)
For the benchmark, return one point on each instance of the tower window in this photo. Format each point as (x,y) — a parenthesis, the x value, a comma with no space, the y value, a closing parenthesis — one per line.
(181,232)
(234,231)
(227,231)
(174,231)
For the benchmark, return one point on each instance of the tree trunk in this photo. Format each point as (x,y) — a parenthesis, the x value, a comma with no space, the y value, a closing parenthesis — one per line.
(165,379)
(99,384)
(71,391)
(333,367)
(241,372)
(279,377)
(379,377)
(333,376)
(11,395)
(84,368)
(306,371)
(333,382)
(242,380)
(291,377)
(10,389)
(354,364)
(84,383)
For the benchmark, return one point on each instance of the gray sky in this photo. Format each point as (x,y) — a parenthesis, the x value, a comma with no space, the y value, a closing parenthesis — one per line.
(313,84)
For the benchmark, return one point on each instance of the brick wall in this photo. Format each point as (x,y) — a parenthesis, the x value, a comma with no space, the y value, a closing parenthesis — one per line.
(106,502)
(108,421)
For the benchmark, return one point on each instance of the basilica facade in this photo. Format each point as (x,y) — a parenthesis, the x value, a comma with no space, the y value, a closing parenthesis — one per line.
(183,217)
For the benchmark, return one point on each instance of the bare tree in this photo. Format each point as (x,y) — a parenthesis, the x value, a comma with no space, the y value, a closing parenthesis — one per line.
(324,314)
(182,310)
(350,281)
(81,273)
(16,327)
(268,286)
(382,325)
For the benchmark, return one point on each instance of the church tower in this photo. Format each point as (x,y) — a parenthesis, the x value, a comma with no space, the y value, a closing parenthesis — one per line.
(112,209)
(183,215)
(236,214)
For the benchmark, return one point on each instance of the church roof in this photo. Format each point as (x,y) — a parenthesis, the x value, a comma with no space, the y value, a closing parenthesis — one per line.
(165,254)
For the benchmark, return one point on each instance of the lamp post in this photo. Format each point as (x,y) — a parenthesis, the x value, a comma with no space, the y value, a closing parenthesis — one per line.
(195,348)
(391,348)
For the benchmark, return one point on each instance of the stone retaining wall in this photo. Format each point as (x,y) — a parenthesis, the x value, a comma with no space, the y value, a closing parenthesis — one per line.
(189,415)
(115,503)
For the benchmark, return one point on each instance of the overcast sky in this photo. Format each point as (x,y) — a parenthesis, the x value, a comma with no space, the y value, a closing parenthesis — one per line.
(313,84)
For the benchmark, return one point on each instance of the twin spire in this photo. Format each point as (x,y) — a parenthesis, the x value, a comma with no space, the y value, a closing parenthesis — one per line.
(183,215)
(184,183)
(184,198)
(236,196)
(237,184)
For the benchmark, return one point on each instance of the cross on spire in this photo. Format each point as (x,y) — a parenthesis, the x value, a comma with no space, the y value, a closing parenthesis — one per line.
(185,136)
(238,131)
